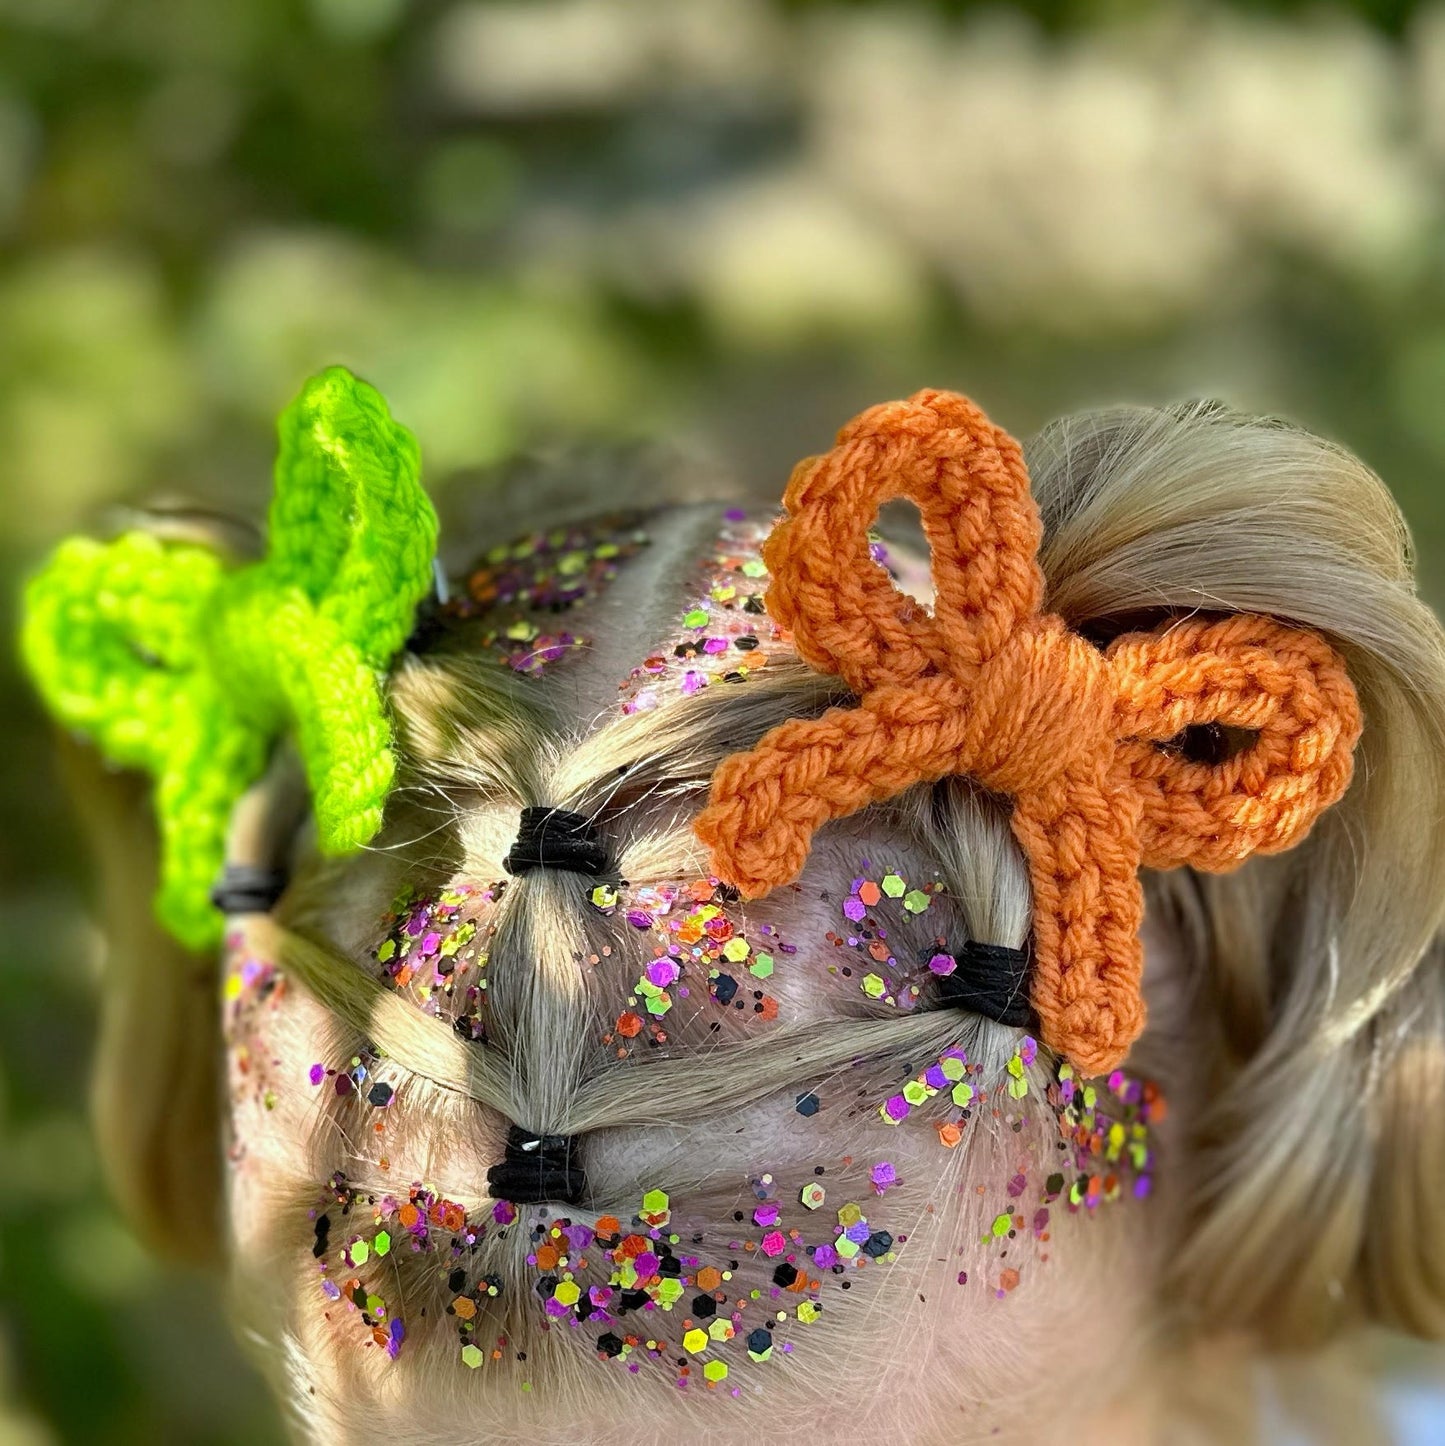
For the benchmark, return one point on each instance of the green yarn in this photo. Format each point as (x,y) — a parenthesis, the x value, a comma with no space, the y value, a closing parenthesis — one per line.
(173,663)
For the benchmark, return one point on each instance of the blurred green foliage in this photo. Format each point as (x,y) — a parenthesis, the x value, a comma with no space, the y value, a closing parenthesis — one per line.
(724,223)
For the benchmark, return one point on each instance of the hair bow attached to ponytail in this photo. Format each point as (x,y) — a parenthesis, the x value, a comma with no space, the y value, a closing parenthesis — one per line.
(177,664)
(1085,743)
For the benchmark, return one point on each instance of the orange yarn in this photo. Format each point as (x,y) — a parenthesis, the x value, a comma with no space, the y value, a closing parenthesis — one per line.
(989,686)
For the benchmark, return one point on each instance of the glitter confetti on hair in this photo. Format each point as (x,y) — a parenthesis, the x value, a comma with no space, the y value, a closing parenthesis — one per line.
(371,1227)
(699,950)
(435,951)
(519,587)
(873,907)
(724,632)
(662,1297)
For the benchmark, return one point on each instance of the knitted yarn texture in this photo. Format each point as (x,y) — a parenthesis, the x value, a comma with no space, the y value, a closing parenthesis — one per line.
(985,684)
(173,662)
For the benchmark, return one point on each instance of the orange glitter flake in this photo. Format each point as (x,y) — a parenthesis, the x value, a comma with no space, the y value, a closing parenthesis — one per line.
(464,1306)
(608,1226)
(869,893)
(408,1215)
(629,1025)
(709,1278)
(547,1257)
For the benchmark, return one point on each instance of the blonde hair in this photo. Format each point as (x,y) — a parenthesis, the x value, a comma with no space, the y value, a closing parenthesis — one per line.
(1313,1023)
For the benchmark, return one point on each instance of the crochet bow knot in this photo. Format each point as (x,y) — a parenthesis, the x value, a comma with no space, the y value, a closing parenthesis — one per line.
(176,664)
(1086,744)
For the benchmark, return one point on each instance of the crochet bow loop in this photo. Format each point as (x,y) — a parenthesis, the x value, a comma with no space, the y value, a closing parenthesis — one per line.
(175,664)
(1285,688)
(967,479)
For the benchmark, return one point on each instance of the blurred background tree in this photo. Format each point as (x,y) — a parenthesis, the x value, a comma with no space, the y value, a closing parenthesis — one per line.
(726,224)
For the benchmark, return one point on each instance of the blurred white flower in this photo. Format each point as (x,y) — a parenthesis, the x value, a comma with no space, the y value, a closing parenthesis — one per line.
(1298,134)
(528,56)
(1125,176)
(784,257)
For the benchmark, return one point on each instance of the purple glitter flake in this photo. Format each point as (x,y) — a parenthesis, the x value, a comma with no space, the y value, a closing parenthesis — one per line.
(854,909)
(943,964)
(662,972)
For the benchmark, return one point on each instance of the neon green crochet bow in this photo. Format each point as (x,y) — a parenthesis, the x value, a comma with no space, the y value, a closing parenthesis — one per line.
(173,662)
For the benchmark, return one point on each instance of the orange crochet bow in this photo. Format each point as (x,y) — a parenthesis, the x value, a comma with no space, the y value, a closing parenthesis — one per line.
(1084,742)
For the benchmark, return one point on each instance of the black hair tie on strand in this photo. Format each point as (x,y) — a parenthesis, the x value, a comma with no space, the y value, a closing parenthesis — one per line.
(991,980)
(248,889)
(552,838)
(538,1168)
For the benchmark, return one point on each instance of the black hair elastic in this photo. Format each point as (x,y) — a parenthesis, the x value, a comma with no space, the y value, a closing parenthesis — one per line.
(537,1168)
(248,889)
(552,838)
(991,980)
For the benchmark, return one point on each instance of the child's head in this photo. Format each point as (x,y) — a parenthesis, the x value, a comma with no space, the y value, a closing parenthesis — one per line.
(537,1129)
